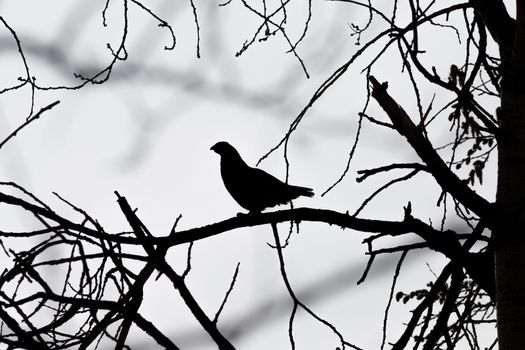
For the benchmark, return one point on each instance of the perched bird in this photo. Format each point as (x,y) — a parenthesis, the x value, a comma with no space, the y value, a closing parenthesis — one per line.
(254,189)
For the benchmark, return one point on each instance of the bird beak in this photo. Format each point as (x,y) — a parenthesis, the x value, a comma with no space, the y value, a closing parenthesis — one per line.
(215,147)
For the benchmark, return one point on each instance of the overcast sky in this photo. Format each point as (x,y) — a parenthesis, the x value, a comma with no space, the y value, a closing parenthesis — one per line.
(147,133)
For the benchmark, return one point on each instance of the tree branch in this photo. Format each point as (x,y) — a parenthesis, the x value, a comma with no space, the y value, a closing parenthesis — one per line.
(28,121)
(158,261)
(448,181)
(426,303)
(445,242)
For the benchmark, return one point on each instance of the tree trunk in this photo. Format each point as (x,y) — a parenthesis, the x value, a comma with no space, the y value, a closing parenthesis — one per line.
(510,198)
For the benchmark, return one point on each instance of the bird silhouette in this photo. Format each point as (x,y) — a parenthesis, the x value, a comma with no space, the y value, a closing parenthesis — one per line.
(254,189)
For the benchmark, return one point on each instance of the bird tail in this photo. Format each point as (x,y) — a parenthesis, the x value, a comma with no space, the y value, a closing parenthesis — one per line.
(303,191)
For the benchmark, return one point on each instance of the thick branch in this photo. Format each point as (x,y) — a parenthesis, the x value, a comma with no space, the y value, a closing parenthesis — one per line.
(448,181)
(445,242)
(498,21)
(298,214)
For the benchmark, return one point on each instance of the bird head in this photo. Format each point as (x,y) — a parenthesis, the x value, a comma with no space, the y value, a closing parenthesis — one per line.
(223,148)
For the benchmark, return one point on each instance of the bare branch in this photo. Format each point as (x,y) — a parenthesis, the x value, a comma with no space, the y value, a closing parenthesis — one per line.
(391,296)
(369,172)
(232,284)
(296,302)
(28,121)
(445,178)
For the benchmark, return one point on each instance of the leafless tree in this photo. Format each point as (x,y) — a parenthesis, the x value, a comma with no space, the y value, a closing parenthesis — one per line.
(103,273)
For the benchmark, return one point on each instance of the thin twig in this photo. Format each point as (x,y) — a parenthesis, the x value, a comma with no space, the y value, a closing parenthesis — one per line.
(391,296)
(28,121)
(232,284)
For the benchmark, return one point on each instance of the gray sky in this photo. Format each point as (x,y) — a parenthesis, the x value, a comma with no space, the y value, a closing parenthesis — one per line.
(147,133)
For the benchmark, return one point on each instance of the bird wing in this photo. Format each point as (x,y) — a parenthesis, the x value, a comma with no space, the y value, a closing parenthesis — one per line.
(270,191)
